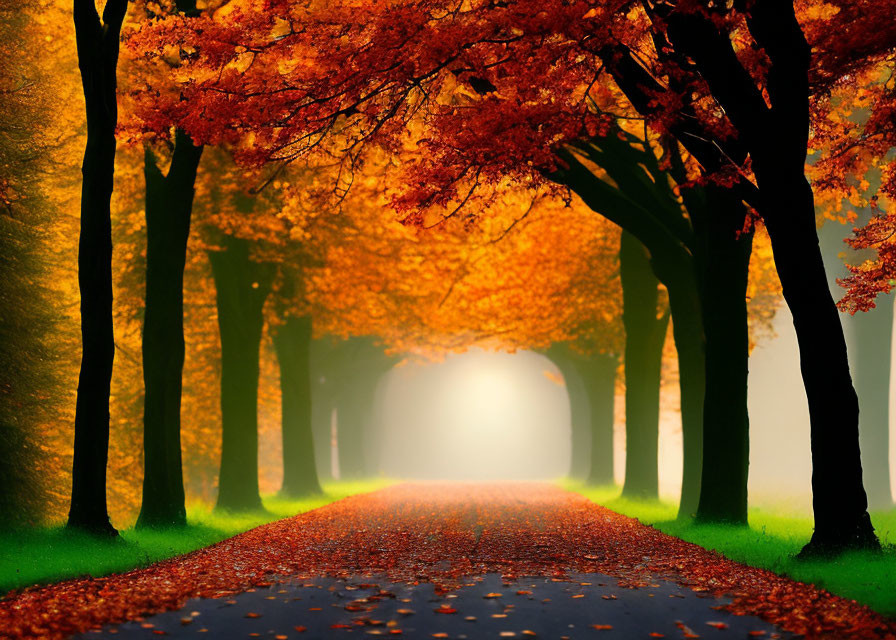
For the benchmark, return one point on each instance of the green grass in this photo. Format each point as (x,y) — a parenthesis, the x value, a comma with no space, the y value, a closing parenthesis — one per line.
(39,556)
(771,542)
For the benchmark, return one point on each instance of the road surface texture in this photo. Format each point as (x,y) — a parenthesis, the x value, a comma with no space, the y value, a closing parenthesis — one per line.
(444,561)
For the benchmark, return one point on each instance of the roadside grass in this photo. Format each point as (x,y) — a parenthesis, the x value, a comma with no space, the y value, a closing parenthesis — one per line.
(771,542)
(52,554)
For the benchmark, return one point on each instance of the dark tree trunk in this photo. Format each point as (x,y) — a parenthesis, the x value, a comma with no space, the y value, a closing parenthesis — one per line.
(98,45)
(687,329)
(599,375)
(579,410)
(241,289)
(169,206)
(838,496)
(725,260)
(787,205)
(644,336)
(292,342)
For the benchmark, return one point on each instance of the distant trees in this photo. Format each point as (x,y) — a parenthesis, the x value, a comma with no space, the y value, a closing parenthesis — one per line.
(590,380)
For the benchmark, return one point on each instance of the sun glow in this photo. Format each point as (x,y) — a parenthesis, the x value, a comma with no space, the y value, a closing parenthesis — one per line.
(476,415)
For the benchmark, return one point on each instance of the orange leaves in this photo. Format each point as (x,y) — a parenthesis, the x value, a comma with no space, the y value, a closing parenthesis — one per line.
(523,275)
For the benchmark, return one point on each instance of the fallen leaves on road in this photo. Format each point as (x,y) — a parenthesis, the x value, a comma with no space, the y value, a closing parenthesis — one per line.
(444,535)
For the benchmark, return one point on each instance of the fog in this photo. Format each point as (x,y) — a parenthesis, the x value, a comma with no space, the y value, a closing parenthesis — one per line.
(477,415)
(484,415)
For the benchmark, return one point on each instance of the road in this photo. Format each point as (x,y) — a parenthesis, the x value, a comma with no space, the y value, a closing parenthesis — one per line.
(444,561)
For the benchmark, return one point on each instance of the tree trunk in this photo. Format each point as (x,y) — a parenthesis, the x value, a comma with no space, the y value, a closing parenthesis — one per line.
(644,336)
(579,410)
(98,45)
(687,329)
(580,422)
(838,496)
(355,400)
(241,289)
(673,264)
(292,342)
(350,435)
(169,206)
(725,263)
(599,375)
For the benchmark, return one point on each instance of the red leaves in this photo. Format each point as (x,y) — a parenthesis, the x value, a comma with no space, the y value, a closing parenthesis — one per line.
(427,534)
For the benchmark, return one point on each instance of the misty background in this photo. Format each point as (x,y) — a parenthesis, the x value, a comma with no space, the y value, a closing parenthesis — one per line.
(485,415)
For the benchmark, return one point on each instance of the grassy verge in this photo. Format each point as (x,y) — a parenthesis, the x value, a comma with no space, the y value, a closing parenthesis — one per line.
(39,556)
(771,542)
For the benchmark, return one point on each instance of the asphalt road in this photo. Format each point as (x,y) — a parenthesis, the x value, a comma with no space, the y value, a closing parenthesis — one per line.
(581,606)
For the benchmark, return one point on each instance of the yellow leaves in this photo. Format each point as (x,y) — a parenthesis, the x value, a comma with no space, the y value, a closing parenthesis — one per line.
(817,11)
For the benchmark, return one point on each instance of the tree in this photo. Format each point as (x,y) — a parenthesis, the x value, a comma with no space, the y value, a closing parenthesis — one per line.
(775,135)
(292,342)
(98,60)
(242,286)
(645,332)
(169,203)
(582,439)
(590,381)
(362,363)
(169,206)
